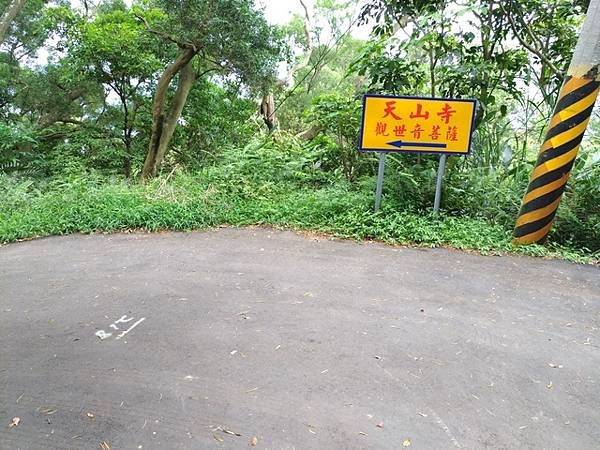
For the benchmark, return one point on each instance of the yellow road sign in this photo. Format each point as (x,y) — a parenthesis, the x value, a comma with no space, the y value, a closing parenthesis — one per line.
(415,124)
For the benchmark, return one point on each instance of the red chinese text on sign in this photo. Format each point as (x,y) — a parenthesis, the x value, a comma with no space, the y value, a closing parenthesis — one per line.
(452,134)
(446,113)
(419,113)
(417,130)
(389,110)
(380,129)
(400,130)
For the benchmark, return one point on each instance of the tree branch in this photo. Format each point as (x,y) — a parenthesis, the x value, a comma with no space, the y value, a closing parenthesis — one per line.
(12,9)
(307,27)
(524,43)
(167,36)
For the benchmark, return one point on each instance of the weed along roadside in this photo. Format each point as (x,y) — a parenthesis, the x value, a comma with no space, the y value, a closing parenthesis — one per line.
(210,199)
(171,138)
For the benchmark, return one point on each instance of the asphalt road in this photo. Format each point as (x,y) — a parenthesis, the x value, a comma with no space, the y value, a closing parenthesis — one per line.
(178,340)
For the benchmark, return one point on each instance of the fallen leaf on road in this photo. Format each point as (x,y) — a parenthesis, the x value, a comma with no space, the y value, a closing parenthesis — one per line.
(406,443)
(104,445)
(14,422)
(253,441)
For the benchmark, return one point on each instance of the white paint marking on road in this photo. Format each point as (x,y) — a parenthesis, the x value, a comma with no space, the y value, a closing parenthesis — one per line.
(123,320)
(437,418)
(444,427)
(102,334)
(130,328)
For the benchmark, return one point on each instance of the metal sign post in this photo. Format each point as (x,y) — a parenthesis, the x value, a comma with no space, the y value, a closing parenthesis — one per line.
(438,184)
(379,188)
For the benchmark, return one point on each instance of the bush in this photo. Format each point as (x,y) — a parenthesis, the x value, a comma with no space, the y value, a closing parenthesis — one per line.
(267,182)
(339,118)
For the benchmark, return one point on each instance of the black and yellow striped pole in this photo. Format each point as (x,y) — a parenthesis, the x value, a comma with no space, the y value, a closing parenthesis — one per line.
(565,132)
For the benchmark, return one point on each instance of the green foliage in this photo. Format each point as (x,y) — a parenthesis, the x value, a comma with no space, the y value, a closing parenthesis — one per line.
(339,118)
(76,122)
(439,58)
(551,28)
(215,118)
(389,70)
(231,34)
(114,47)
(17,143)
(265,183)
(116,51)
(31,27)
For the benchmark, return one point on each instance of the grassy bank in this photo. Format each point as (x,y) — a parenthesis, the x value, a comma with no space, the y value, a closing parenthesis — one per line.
(239,193)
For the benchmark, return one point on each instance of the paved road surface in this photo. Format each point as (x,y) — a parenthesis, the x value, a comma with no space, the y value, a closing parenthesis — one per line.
(300,342)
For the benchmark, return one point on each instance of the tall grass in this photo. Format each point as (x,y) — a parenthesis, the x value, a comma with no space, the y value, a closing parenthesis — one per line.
(275,185)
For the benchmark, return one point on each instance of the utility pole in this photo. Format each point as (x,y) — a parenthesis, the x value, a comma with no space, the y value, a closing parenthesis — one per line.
(565,132)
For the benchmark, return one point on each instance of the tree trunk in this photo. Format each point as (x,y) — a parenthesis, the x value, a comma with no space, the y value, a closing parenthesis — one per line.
(160,123)
(267,110)
(187,78)
(127,164)
(310,134)
(307,27)
(267,105)
(9,15)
